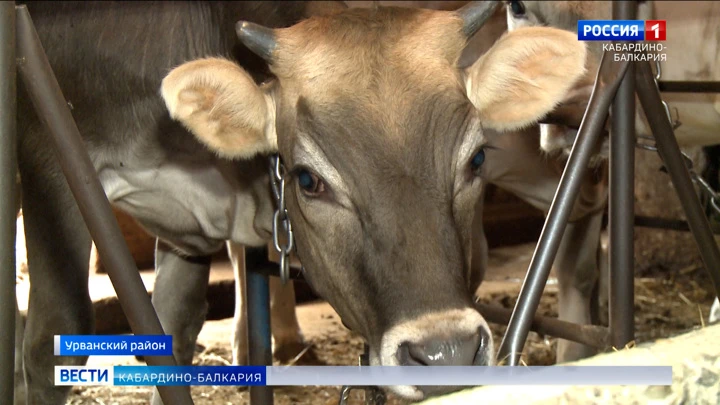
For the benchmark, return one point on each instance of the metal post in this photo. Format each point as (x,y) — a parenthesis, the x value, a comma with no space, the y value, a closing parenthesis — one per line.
(674,162)
(689,87)
(664,223)
(258,319)
(8,196)
(622,200)
(556,221)
(52,108)
(591,335)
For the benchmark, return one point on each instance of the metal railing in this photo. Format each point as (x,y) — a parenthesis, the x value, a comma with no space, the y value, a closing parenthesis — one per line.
(637,79)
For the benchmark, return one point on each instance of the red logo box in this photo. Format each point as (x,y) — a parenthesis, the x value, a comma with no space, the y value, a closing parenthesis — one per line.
(655,30)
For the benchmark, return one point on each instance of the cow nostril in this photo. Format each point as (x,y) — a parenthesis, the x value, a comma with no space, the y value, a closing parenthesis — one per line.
(419,356)
(484,353)
(464,350)
(409,354)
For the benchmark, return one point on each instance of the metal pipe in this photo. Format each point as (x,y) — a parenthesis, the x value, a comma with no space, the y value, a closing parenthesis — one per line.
(622,200)
(273,270)
(258,320)
(664,223)
(51,106)
(669,224)
(689,87)
(560,210)
(591,335)
(675,163)
(8,199)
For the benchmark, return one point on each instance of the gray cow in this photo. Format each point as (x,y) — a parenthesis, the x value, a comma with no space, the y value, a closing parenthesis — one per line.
(110,59)
(379,129)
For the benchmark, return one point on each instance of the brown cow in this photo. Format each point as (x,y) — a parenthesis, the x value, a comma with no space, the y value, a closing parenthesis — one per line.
(382,137)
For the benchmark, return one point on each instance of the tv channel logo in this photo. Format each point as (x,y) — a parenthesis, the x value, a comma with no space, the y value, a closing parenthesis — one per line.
(83,375)
(655,30)
(622,30)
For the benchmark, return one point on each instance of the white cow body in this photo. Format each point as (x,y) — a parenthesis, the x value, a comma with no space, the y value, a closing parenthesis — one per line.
(693,54)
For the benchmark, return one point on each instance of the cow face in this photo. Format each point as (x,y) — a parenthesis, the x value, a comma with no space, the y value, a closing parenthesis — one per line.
(382,138)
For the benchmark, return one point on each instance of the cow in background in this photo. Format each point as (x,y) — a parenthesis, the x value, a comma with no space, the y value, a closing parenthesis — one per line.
(692,53)
(109,59)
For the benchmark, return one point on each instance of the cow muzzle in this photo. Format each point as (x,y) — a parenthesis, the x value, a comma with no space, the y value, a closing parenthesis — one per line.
(447,350)
(458,337)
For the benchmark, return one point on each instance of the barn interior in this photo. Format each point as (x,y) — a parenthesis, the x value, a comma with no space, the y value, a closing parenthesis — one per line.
(673,295)
(672,290)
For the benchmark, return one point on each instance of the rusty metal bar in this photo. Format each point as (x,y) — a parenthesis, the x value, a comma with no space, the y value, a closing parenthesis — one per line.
(79,171)
(689,87)
(591,335)
(258,319)
(621,205)
(8,199)
(556,221)
(677,170)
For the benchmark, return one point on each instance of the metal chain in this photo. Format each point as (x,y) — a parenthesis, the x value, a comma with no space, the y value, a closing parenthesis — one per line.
(373,395)
(281,220)
(675,123)
(705,188)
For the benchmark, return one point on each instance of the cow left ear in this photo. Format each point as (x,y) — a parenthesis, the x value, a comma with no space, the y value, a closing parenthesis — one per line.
(222,106)
(524,76)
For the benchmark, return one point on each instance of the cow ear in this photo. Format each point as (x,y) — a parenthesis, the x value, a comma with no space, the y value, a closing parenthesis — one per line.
(524,76)
(222,106)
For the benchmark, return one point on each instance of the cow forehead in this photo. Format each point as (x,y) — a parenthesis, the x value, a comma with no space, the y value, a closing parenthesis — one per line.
(378,91)
(368,151)
(365,48)
(580,8)
(420,122)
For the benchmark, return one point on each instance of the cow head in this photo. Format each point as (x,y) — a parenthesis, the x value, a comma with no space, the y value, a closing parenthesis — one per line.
(382,138)
(559,138)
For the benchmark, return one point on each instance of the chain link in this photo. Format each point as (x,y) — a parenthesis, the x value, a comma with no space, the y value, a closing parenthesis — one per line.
(675,123)
(705,188)
(281,220)
(373,395)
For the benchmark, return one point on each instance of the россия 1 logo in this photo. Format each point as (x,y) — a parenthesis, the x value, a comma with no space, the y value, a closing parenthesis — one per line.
(622,30)
(655,30)
(625,38)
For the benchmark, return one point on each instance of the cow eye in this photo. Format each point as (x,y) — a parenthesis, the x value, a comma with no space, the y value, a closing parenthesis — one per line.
(517,8)
(477,160)
(309,183)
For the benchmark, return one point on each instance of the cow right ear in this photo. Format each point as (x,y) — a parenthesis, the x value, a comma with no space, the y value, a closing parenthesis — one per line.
(524,76)
(222,106)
